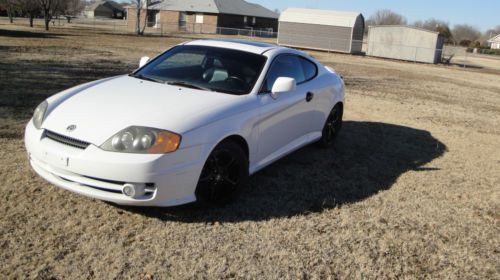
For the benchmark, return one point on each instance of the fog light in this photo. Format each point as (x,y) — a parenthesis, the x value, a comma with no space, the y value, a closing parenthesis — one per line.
(134,190)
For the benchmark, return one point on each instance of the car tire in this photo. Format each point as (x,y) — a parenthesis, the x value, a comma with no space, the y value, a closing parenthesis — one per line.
(331,128)
(224,174)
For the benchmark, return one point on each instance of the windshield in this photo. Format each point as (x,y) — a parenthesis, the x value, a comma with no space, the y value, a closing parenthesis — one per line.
(207,68)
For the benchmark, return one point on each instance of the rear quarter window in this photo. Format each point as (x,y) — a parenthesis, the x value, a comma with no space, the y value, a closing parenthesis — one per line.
(310,69)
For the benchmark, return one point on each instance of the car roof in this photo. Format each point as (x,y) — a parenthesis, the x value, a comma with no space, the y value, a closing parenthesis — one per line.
(242,45)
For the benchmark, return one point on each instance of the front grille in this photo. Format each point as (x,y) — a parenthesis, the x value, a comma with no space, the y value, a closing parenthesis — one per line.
(66,140)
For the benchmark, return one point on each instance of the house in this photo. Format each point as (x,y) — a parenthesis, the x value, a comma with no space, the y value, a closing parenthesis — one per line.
(321,30)
(405,43)
(104,9)
(495,42)
(206,16)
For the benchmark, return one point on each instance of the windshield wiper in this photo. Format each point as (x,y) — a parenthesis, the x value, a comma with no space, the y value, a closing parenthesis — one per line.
(188,85)
(142,77)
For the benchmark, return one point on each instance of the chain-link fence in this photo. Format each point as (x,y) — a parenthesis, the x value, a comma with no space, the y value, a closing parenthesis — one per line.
(448,55)
(166,29)
(153,28)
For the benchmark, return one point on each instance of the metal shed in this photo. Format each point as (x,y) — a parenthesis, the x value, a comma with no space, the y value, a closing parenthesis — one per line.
(321,30)
(405,43)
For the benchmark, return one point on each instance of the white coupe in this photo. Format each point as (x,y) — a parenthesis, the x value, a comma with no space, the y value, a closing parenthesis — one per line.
(189,125)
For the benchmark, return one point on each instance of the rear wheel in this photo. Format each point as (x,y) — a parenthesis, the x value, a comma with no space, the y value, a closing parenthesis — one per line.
(223,175)
(332,127)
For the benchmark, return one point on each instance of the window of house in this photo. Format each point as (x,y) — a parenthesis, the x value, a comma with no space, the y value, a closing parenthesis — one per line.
(199,18)
(245,20)
(254,20)
(182,19)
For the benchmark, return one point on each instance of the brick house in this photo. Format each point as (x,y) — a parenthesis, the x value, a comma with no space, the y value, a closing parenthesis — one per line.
(205,16)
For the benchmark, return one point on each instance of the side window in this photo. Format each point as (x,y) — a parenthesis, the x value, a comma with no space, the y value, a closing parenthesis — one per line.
(284,66)
(310,69)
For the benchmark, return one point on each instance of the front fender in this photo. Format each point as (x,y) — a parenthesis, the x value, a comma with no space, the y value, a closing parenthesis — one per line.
(242,124)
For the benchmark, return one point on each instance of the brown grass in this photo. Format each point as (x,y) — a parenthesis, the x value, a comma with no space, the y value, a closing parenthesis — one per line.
(411,189)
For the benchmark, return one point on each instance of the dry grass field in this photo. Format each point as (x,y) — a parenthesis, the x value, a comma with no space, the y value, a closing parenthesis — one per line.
(411,189)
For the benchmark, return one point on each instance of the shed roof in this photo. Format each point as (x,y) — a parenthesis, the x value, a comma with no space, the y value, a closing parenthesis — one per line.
(323,17)
(232,7)
(404,26)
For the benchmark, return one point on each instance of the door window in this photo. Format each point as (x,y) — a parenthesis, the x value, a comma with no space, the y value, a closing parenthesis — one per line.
(284,66)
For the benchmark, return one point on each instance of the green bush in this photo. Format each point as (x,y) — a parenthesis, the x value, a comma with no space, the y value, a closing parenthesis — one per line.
(484,51)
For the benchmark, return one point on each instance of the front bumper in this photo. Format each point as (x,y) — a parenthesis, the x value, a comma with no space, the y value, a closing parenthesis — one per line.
(171,178)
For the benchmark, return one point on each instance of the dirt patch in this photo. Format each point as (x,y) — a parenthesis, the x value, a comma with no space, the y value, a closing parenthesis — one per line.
(410,190)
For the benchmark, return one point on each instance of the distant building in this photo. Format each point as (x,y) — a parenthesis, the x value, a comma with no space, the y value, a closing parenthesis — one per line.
(322,30)
(495,42)
(104,9)
(206,16)
(405,43)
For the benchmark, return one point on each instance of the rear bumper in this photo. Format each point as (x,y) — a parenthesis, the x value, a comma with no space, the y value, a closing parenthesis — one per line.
(171,178)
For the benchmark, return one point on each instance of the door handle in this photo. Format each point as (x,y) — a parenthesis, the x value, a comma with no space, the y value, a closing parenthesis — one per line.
(309,96)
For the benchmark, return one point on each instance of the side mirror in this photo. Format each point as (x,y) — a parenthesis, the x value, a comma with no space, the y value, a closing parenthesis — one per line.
(283,84)
(143,61)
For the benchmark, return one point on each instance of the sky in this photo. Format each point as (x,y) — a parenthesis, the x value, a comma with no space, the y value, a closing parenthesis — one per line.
(484,14)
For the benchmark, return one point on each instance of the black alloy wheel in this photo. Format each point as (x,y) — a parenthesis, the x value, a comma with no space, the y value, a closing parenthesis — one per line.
(332,127)
(223,175)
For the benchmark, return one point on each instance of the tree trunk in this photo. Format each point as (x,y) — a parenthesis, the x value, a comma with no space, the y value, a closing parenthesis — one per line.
(47,22)
(32,16)
(11,16)
(145,21)
(138,21)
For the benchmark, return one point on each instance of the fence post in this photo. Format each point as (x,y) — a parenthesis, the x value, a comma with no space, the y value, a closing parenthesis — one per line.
(465,60)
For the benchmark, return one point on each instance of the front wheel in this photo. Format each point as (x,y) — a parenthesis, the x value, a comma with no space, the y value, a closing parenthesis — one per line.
(223,175)
(332,127)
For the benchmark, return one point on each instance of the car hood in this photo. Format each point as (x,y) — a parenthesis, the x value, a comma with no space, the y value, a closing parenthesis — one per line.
(101,109)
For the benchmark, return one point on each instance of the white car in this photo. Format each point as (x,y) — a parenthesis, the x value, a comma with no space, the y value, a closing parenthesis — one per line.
(189,125)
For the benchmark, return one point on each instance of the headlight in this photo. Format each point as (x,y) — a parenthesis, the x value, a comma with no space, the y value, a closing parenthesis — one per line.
(39,114)
(143,140)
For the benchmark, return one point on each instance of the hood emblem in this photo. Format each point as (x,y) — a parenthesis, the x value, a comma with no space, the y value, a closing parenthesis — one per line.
(70,128)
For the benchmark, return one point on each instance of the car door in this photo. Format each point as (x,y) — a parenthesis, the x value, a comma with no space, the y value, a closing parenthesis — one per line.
(284,120)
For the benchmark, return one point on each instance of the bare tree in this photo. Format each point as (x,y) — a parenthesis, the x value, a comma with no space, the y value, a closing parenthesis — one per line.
(437,26)
(50,8)
(11,7)
(386,17)
(465,34)
(139,5)
(31,8)
(489,34)
(72,8)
